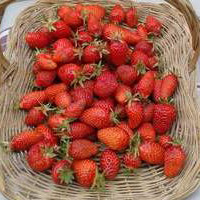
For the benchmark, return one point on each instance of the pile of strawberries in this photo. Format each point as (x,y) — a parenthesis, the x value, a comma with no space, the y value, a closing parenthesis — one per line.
(100,96)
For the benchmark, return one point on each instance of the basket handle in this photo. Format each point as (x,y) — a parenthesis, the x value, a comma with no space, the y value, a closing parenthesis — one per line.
(184,6)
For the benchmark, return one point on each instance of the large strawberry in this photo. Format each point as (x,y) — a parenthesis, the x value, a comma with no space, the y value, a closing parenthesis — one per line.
(115,138)
(153,25)
(147,132)
(131,17)
(123,94)
(109,164)
(63,100)
(91,54)
(94,26)
(117,14)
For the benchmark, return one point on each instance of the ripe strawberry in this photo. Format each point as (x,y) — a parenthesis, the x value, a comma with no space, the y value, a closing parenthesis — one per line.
(55,89)
(67,73)
(148,112)
(79,130)
(145,46)
(165,141)
(32,99)
(106,104)
(82,149)
(106,84)
(40,157)
(152,63)
(131,17)
(84,37)
(169,85)
(146,85)
(118,52)
(85,172)
(131,161)
(36,68)
(122,94)
(57,122)
(115,138)
(147,132)
(174,161)
(117,14)
(37,39)
(142,31)
(153,25)
(109,164)
(94,26)
(135,89)
(157,90)
(89,84)
(91,54)
(62,43)
(62,173)
(35,116)
(89,69)
(135,114)
(124,125)
(45,78)
(152,153)
(63,99)
(139,57)
(45,61)
(24,140)
(63,11)
(121,111)
(127,74)
(164,117)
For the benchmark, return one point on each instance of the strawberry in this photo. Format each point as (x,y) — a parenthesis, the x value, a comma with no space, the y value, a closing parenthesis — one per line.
(169,85)
(131,161)
(32,99)
(152,153)
(142,31)
(63,11)
(106,104)
(62,173)
(152,63)
(124,125)
(45,78)
(58,122)
(121,111)
(139,57)
(164,117)
(89,84)
(148,112)
(40,157)
(63,99)
(147,132)
(135,114)
(153,25)
(36,68)
(131,17)
(117,14)
(67,73)
(37,39)
(62,43)
(55,89)
(118,52)
(157,90)
(24,140)
(85,172)
(94,26)
(88,69)
(174,161)
(84,37)
(127,74)
(109,164)
(146,85)
(91,54)
(35,116)
(145,46)
(106,84)
(122,94)
(115,138)
(82,149)
(135,89)
(165,141)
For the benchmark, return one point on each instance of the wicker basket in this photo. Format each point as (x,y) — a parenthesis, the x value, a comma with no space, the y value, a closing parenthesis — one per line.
(179,50)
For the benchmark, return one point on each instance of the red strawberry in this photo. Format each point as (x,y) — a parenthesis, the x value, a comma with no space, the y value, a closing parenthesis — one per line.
(153,25)
(109,164)
(165,141)
(85,172)
(58,122)
(147,132)
(91,54)
(127,74)
(36,68)
(115,138)
(157,89)
(122,94)
(164,117)
(62,43)
(146,85)
(174,161)
(63,99)
(117,14)
(94,26)
(135,89)
(131,17)
(40,157)
(62,173)
(84,37)
(169,85)
(32,99)
(35,116)
(145,46)
(89,69)
(152,153)
(88,85)
(124,125)
(148,112)
(82,149)
(24,140)
(106,104)
(63,11)
(37,39)
(152,62)
(139,57)
(131,161)
(45,78)
(55,89)
(106,84)
(142,31)
(67,73)
(121,111)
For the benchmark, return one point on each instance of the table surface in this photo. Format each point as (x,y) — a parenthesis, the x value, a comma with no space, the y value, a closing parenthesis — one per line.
(14,9)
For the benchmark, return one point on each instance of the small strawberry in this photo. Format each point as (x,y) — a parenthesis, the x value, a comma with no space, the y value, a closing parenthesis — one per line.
(157,89)
(63,99)
(148,112)
(124,125)
(122,94)
(142,31)
(63,11)
(62,173)
(131,161)
(131,17)
(115,138)
(91,54)
(117,14)
(83,37)
(165,141)
(152,62)
(32,99)
(62,43)
(147,132)
(139,57)
(89,69)
(152,153)
(164,117)
(109,164)
(24,140)
(153,25)
(107,104)
(36,68)
(174,161)
(145,46)
(94,26)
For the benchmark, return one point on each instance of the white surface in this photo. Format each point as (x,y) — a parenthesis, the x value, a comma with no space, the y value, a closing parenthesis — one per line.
(14,9)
